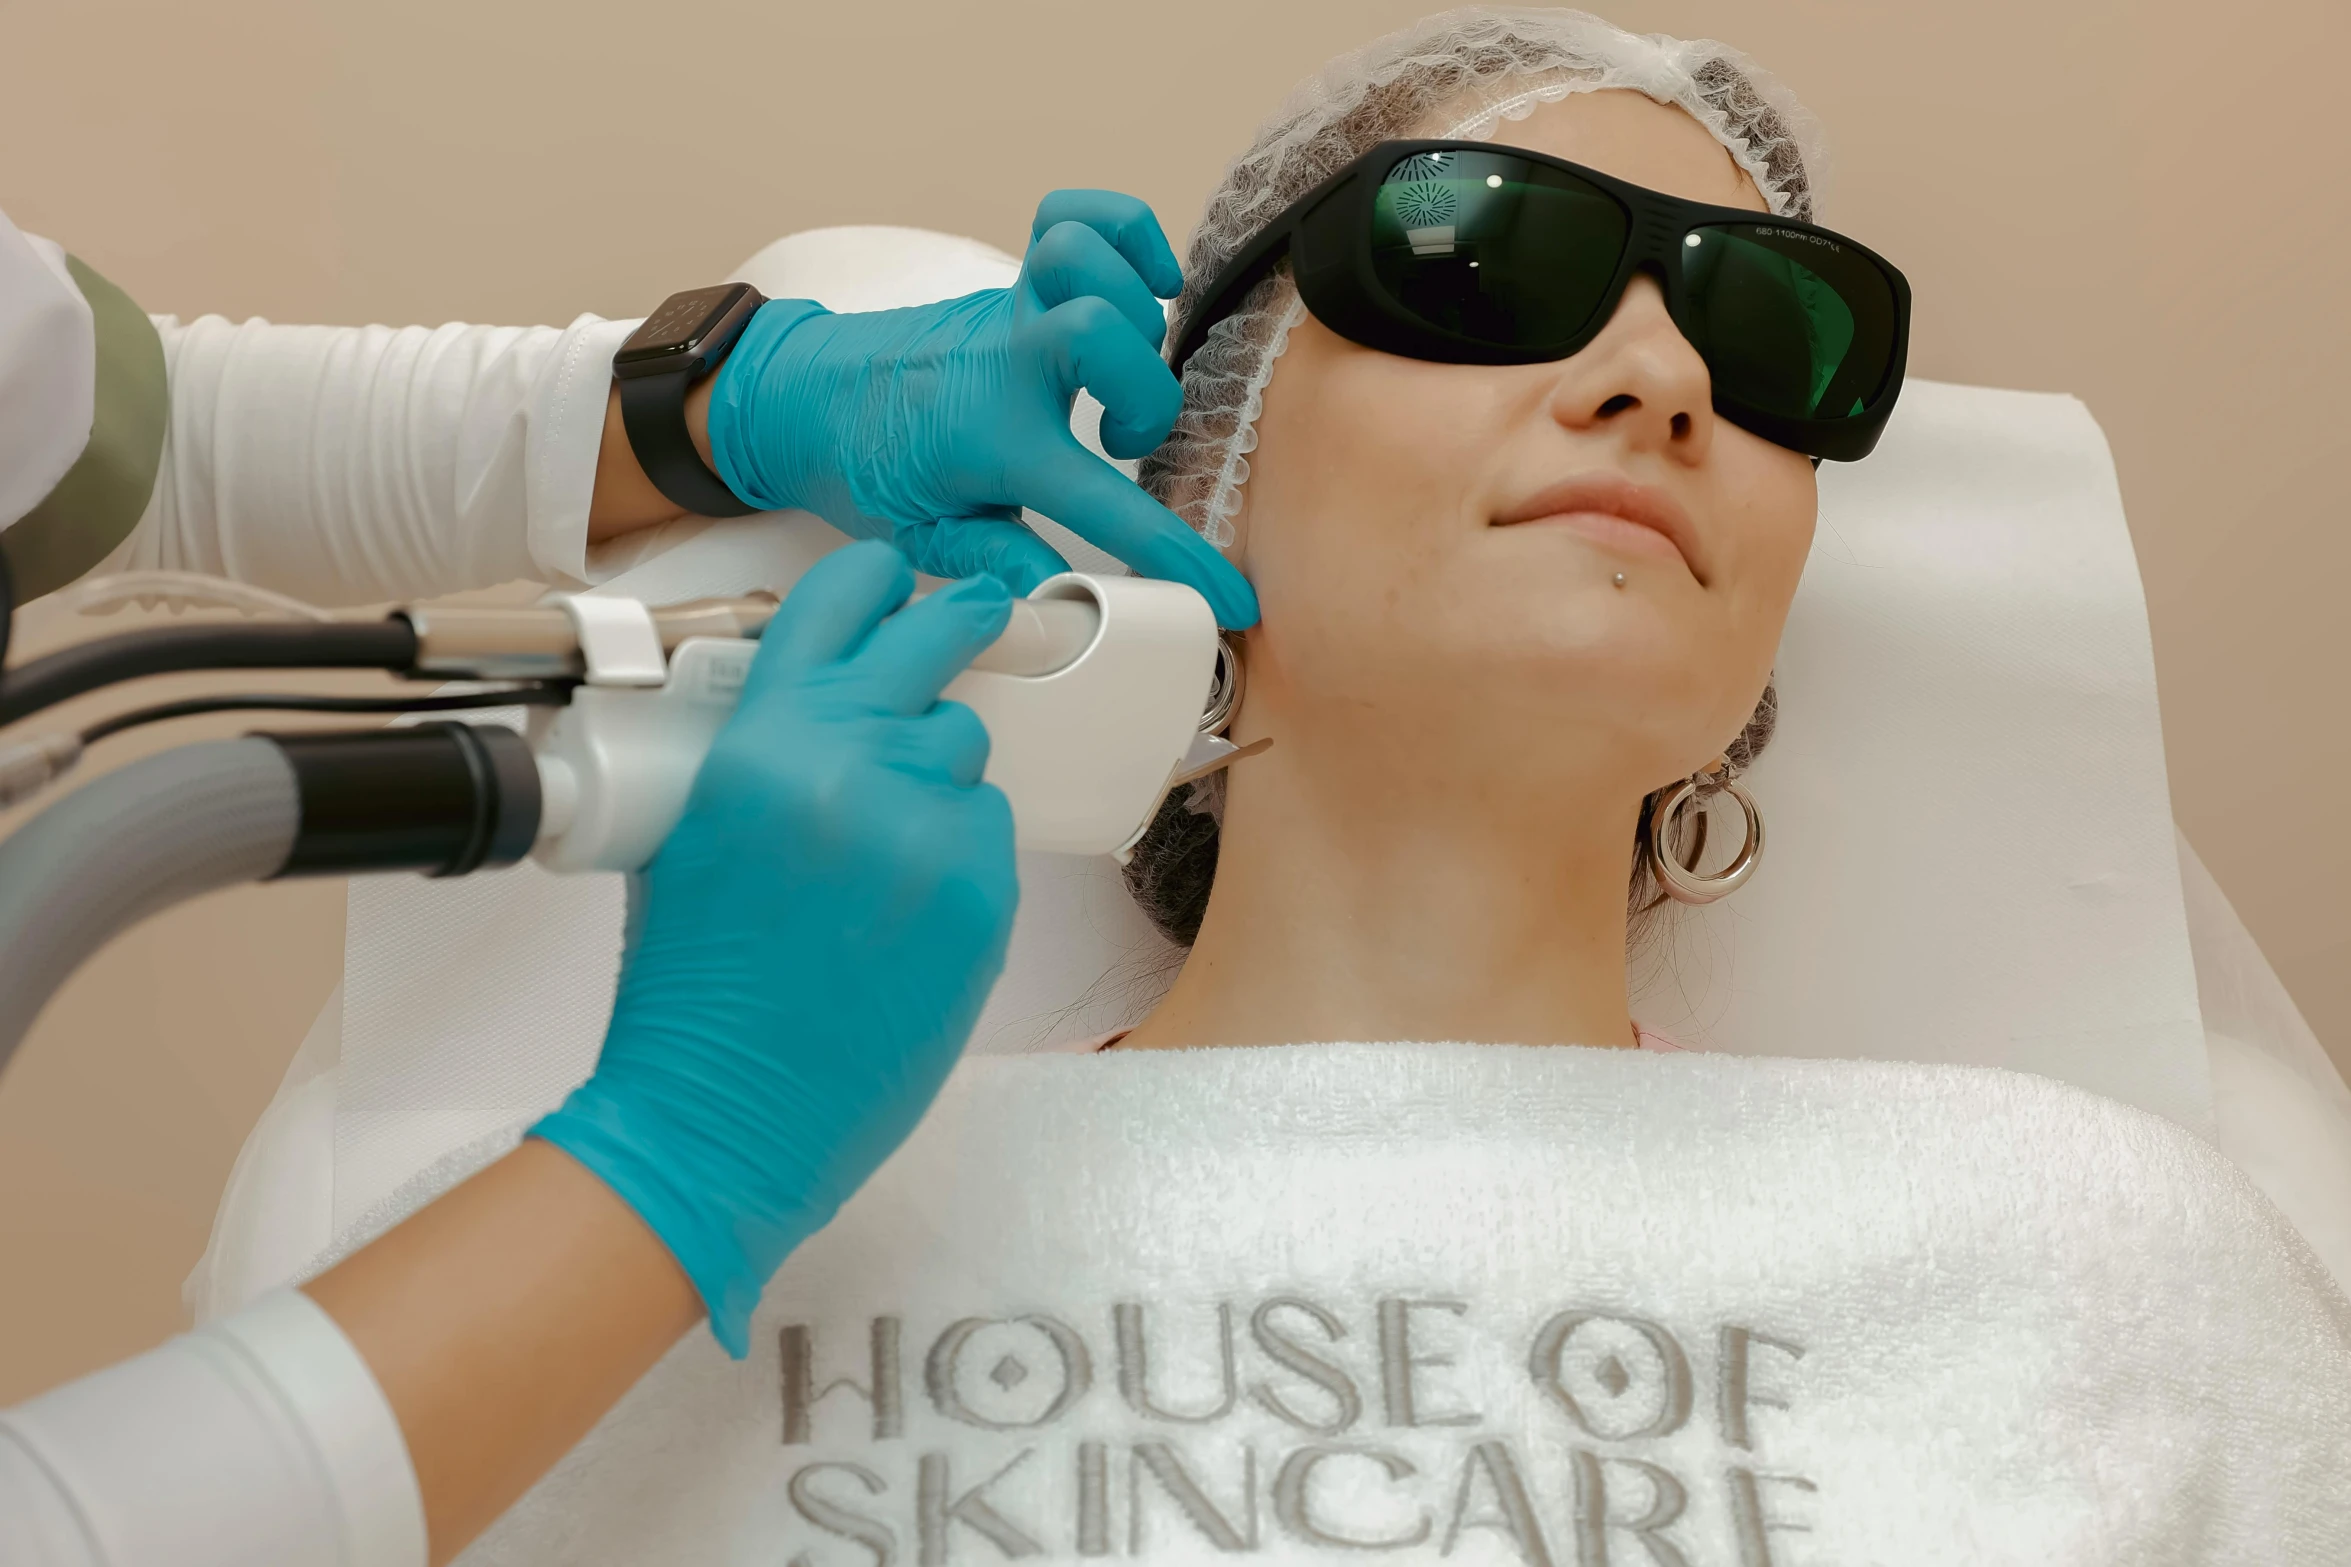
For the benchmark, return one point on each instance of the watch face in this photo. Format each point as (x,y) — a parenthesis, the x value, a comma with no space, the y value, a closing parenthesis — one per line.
(681,323)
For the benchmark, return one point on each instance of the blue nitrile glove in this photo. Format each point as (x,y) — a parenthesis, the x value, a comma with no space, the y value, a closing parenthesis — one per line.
(818,933)
(931,427)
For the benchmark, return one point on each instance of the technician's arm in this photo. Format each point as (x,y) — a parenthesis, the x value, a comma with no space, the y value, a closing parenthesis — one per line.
(341,464)
(501,1322)
(364,464)
(359,464)
(818,936)
(490,1331)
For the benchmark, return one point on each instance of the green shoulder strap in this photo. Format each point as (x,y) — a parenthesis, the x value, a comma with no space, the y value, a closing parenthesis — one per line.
(105,492)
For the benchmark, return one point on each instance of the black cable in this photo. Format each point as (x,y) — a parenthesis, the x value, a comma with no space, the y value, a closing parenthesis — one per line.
(69,672)
(525,696)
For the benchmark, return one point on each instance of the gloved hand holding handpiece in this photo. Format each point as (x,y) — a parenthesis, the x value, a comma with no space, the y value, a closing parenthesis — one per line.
(932,427)
(818,934)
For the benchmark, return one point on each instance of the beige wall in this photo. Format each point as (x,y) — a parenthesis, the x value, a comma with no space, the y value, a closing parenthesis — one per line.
(2133,200)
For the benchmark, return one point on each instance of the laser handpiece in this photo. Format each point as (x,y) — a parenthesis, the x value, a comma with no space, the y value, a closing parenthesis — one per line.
(1093,699)
(542,641)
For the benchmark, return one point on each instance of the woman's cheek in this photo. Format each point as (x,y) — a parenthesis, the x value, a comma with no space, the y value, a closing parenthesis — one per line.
(1325,476)
(1775,500)
(1794,532)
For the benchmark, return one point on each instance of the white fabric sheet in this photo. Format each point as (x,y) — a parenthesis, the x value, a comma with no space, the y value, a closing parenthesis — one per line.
(1532,1306)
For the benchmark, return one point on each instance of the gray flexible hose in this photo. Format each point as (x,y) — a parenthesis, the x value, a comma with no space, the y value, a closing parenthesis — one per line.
(132,844)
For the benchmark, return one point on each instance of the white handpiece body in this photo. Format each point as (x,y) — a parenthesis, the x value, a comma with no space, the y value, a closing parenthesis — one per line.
(1084,751)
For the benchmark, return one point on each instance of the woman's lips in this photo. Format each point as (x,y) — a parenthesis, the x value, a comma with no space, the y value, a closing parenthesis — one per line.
(1617,514)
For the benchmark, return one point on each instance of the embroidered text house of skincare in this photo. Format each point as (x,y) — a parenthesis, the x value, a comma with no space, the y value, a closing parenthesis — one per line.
(1288,1425)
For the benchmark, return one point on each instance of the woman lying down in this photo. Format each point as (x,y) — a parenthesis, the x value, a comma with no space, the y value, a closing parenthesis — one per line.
(1525,484)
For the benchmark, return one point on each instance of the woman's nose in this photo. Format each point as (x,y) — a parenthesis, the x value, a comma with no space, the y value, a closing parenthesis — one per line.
(1641,379)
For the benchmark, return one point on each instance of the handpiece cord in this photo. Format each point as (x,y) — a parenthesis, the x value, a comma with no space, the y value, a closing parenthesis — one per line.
(29,766)
(133,843)
(69,672)
(443,798)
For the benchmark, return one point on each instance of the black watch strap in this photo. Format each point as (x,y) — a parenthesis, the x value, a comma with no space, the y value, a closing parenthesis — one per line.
(676,346)
(653,410)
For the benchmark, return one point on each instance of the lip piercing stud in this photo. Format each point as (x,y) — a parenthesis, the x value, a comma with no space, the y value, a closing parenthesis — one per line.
(1620,579)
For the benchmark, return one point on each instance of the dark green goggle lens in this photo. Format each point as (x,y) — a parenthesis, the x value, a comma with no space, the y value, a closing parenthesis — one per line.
(1520,255)
(1788,321)
(1494,248)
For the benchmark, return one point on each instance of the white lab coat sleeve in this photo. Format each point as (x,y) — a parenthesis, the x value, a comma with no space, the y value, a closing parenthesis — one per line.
(48,370)
(260,1438)
(350,465)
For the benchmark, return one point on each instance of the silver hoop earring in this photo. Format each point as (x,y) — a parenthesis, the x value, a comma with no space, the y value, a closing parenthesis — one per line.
(1224,692)
(1678,880)
(1210,749)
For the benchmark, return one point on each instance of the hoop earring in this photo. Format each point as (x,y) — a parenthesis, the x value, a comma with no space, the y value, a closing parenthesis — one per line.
(1224,692)
(1677,879)
(1210,749)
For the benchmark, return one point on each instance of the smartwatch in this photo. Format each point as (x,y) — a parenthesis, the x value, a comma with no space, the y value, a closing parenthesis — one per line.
(676,346)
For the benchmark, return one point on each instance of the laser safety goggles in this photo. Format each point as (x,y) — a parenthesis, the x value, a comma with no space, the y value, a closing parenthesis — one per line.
(1469,253)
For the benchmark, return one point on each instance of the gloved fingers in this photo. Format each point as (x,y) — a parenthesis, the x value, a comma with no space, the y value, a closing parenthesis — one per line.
(1127,223)
(1088,345)
(1108,510)
(917,651)
(946,745)
(988,865)
(830,612)
(967,838)
(981,547)
(1070,261)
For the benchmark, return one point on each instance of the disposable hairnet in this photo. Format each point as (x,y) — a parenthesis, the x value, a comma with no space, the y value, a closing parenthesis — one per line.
(1457,74)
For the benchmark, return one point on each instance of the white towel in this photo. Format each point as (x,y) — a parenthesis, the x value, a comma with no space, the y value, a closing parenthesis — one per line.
(1554,1306)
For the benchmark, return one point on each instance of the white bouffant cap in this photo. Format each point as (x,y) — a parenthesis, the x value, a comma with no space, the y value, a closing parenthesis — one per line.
(1461,74)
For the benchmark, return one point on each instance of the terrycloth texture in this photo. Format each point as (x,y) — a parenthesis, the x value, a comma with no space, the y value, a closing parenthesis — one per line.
(1518,1304)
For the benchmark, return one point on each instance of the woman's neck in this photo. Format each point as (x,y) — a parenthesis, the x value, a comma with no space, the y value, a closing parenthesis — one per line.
(1433,909)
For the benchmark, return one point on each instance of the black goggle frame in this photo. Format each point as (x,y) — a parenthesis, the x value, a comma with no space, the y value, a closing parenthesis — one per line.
(1325,235)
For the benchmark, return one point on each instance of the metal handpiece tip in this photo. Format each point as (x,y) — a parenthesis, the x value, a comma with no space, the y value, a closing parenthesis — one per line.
(1210,752)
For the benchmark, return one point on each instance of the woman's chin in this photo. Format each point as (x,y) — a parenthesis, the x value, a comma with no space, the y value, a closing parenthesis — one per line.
(1576,630)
